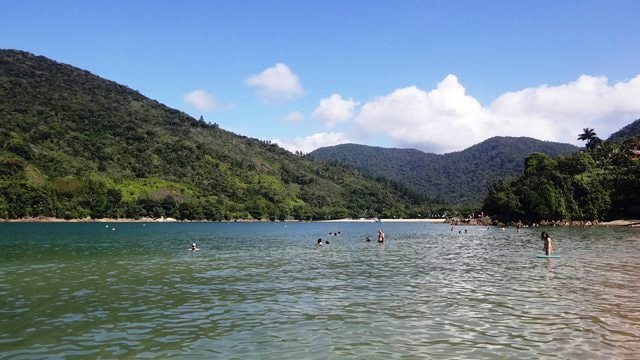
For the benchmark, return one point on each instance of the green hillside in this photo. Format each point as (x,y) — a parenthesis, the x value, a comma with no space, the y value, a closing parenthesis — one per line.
(598,183)
(74,145)
(455,178)
(629,131)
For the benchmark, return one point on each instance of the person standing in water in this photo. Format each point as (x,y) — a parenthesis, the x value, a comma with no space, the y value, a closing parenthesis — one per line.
(546,243)
(380,236)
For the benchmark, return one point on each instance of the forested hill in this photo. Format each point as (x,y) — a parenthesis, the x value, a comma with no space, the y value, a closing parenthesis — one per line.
(75,145)
(629,131)
(457,178)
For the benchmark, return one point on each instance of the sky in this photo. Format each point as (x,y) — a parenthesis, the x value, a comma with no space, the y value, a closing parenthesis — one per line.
(438,76)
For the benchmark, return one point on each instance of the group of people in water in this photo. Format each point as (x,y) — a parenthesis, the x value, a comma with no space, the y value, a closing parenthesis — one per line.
(546,241)
(367,239)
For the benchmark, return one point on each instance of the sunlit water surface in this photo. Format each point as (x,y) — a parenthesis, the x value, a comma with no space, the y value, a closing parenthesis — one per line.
(257,291)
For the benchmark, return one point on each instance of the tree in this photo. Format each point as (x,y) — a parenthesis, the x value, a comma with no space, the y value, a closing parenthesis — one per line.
(502,202)
(590,136)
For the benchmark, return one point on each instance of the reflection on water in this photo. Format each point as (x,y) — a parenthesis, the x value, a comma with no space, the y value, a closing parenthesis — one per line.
(267,291)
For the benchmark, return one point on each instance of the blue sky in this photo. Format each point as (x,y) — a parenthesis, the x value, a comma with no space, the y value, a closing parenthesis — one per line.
(438,76)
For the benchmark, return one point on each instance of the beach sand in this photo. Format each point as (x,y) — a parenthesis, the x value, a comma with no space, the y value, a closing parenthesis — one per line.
(630,223)
(439,221)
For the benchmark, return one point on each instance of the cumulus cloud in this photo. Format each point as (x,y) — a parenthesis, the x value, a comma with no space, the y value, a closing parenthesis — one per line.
(447,119)
(312,142)
(293,117)
(201,100)
(277,84)
(334,110)
(205,102)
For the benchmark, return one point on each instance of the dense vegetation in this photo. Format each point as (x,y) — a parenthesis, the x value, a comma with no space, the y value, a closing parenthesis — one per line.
(628,131)
(601,182)
(460,178)
(73,145)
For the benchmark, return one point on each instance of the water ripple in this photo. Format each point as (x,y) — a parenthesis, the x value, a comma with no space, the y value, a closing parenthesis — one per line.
(266,291)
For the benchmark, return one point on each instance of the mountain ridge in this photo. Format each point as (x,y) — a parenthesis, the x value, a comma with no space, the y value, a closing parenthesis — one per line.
(629,131)
(458,178)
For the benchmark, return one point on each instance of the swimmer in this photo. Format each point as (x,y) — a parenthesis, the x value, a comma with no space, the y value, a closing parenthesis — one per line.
(546,243)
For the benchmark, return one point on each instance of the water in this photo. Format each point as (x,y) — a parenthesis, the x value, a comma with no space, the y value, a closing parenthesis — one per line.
(259,291)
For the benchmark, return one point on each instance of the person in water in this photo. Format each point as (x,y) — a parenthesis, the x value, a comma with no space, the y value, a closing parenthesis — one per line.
(194,247)
(546,243)
(380,236)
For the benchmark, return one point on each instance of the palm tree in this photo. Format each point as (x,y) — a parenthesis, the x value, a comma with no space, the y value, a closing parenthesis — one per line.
(590,136)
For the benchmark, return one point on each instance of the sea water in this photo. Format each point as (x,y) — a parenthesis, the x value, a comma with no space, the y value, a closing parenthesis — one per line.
(268,291)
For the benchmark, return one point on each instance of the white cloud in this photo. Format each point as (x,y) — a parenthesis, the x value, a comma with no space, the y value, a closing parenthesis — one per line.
(312,142)
(201,100)
(205,102)
(293,117)
(447,119)
(277,84)
(334,110)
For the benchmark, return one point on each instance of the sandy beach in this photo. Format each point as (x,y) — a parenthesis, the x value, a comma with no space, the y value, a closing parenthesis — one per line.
(106,220)
(632,223)
(146,219)
(439,221)
(43,219)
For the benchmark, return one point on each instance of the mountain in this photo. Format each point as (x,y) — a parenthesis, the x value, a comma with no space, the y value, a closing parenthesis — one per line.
(629,131)
(455,178)
(75,145)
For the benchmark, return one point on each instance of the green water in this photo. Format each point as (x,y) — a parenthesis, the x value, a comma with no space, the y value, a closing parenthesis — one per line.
(266,291)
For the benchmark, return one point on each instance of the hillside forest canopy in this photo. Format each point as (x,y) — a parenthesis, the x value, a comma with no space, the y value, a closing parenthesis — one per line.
(598,183)
(459,179)
(74,145)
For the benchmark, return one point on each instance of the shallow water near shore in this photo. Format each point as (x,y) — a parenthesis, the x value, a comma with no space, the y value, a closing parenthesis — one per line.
(266,290)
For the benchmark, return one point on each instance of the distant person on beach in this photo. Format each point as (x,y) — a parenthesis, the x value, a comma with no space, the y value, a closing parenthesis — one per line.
(380,236)
(546,243)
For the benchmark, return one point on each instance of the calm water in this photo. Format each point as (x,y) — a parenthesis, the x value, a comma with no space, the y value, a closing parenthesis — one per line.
(267,291)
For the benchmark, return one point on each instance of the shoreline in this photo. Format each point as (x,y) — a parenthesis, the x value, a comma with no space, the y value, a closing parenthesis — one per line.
(630,223)
(44,219)
(382,221)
